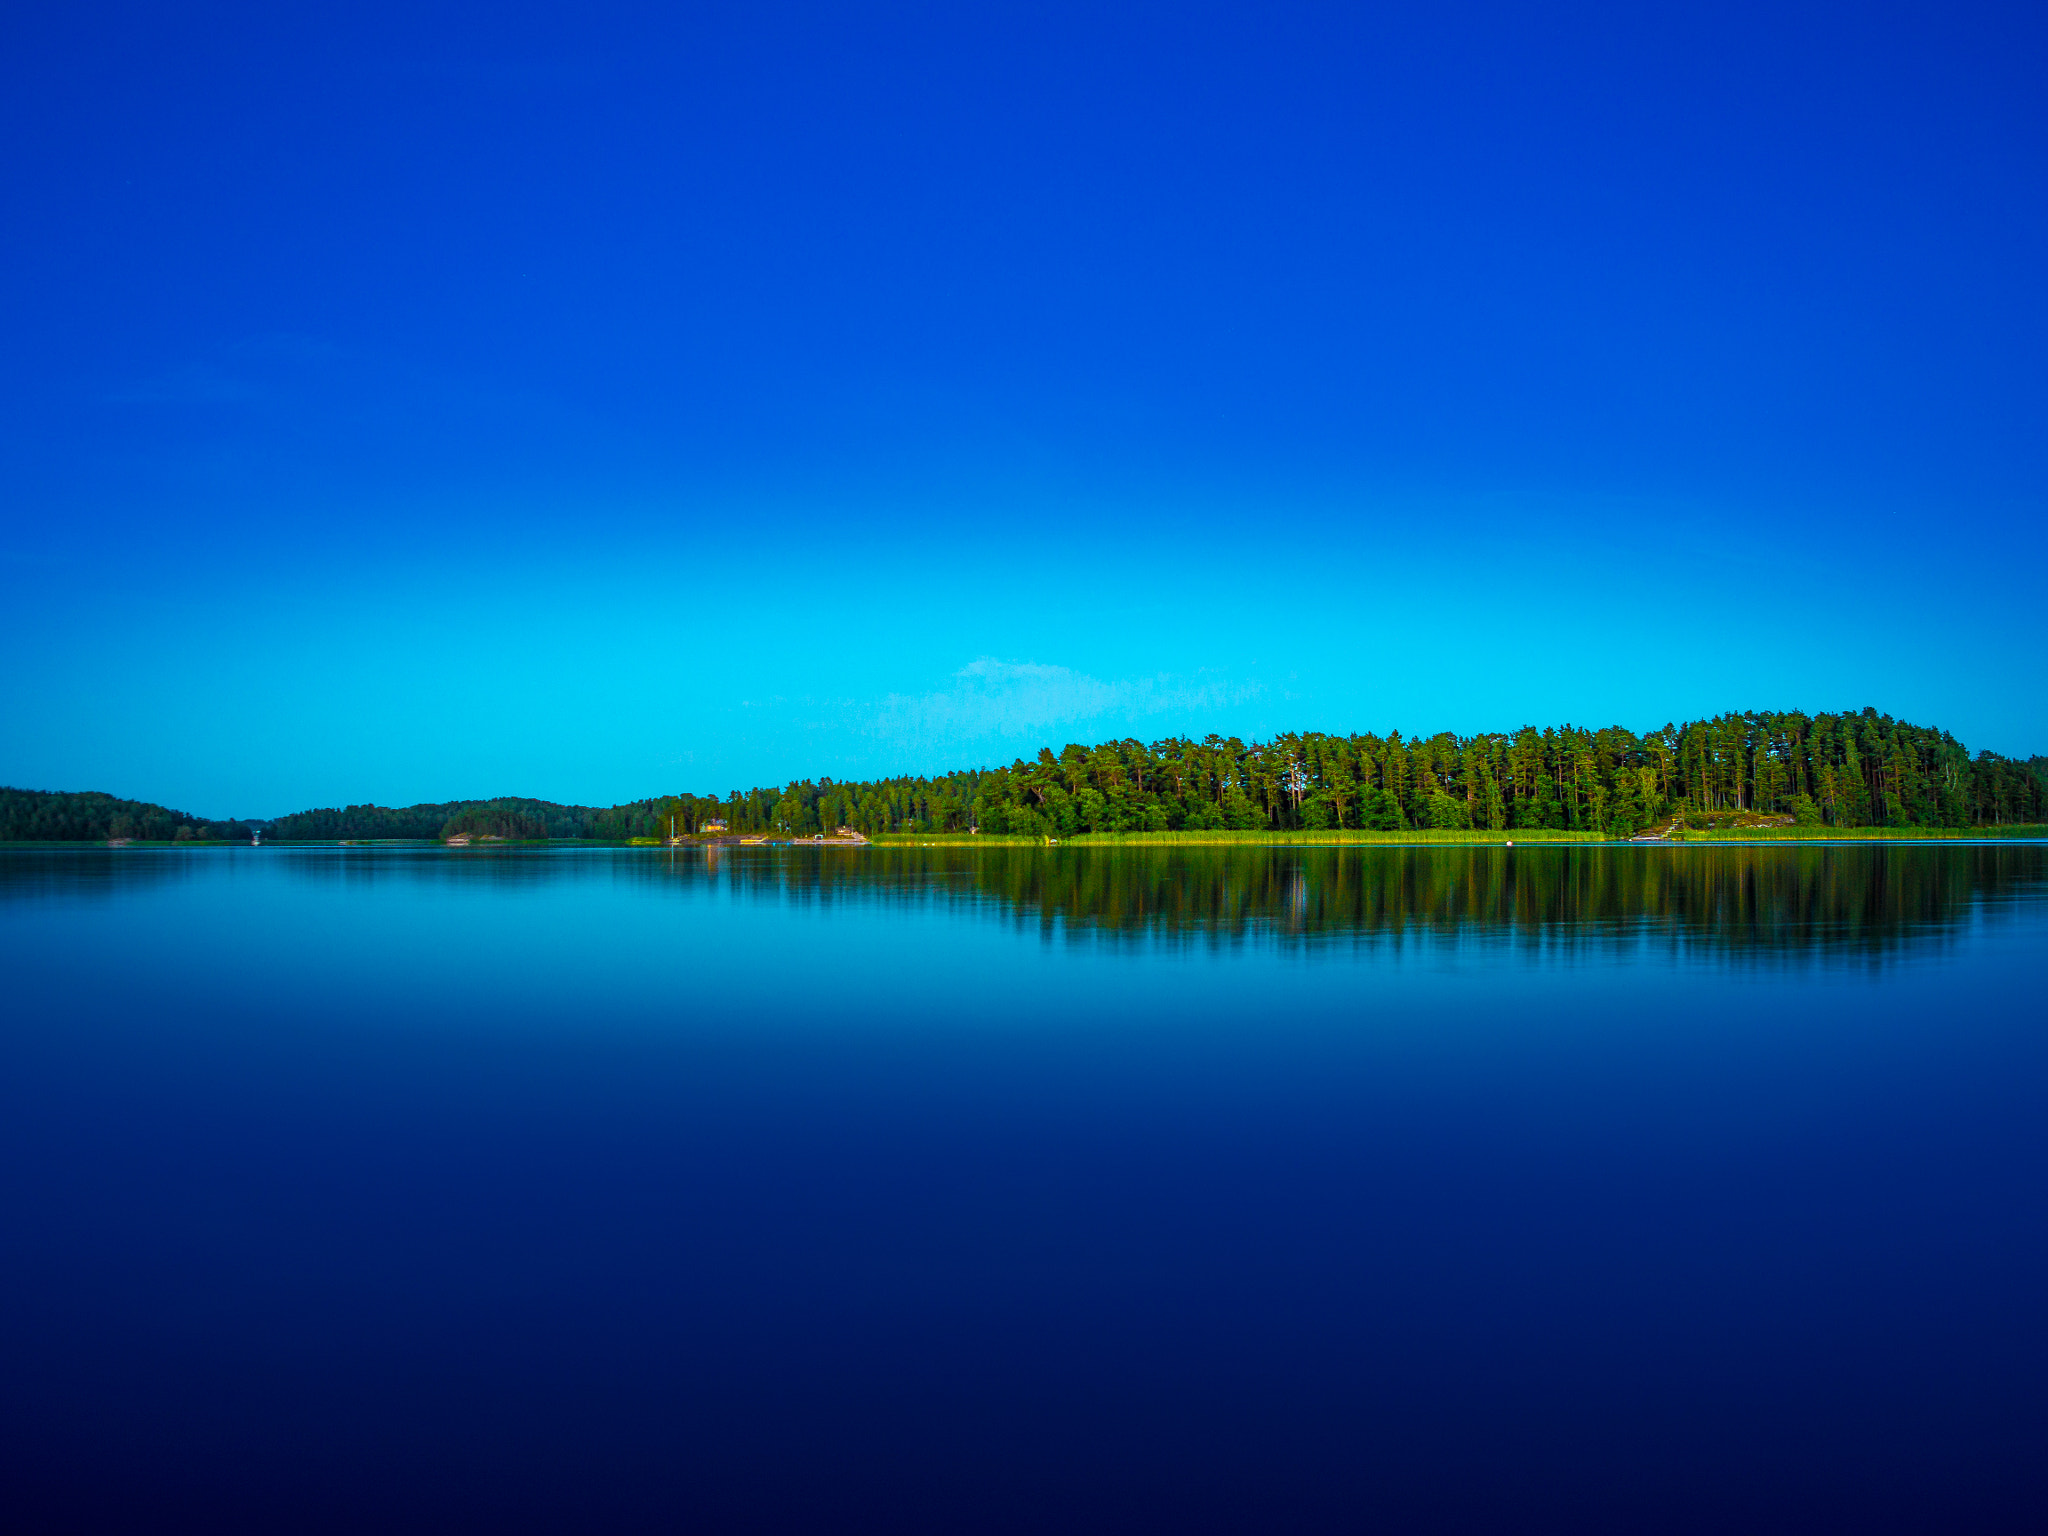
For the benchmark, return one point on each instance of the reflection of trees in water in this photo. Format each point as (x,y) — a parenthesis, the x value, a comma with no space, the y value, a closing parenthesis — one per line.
(1869,899)
(1843,899)
(30,874)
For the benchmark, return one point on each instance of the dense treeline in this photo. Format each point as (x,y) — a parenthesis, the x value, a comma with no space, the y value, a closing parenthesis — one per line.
(1849,770)
(506,817)
(29,815)
(54,816)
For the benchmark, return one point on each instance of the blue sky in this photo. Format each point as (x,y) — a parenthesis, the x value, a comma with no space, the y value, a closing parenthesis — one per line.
(413,403)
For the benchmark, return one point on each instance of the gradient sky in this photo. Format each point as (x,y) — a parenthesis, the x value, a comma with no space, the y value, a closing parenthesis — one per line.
(589,402)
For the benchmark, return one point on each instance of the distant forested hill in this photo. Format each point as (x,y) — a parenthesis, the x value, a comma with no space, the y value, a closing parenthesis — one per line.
(55,816)
(1856,769)
(505,817)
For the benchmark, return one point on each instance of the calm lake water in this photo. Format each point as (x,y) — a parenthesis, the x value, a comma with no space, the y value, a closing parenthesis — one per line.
(1462,1190)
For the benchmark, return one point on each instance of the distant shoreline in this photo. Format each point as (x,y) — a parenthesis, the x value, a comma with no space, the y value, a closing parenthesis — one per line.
(1528,837)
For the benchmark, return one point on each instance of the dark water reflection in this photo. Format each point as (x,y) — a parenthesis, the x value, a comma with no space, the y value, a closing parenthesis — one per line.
(1766,903)
(1762,901)
(929,1190)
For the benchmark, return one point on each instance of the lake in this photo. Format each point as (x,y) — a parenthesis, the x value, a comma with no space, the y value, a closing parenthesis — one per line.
(1603,1188)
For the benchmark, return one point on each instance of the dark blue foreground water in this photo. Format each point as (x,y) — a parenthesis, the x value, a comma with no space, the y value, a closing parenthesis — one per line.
(1609,1189)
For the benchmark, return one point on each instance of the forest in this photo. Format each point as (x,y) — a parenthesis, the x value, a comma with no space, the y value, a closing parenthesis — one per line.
(1861,769)
(45,816)
(1848,770)
(507,817)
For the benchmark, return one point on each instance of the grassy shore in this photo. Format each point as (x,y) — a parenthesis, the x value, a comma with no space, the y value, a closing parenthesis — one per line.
(1523,837)
(1861,834)
(1225,839)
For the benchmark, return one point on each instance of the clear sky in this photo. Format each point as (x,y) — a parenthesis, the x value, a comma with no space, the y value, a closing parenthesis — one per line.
(589,402)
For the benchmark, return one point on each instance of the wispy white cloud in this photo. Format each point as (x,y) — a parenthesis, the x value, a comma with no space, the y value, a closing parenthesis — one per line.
(998,699)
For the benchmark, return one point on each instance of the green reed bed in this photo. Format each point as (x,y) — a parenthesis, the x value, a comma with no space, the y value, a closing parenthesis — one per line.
(1860,834)
(1212,839)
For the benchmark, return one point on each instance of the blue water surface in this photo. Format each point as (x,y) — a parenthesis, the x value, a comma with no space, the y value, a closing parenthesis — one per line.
(1594,1189)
